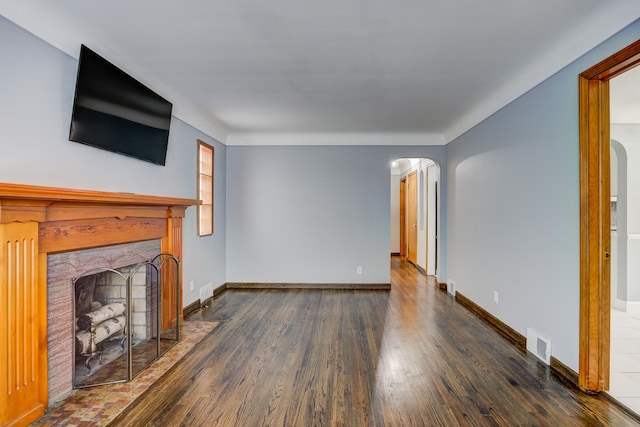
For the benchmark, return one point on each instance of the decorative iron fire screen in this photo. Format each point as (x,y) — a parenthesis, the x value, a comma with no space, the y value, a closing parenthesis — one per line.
(124,319)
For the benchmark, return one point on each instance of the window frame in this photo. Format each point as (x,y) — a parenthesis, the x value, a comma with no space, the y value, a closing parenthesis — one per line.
(201,218)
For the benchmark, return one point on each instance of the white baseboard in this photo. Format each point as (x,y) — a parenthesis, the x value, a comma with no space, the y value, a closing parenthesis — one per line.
(618,304)
(633,307)
(626,306)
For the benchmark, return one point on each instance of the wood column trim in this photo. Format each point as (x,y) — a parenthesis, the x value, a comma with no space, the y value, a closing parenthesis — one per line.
(595,233)
(172,244)
(23,342)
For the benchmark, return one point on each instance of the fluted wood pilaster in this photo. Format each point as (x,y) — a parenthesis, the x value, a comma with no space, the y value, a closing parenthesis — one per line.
(23,308)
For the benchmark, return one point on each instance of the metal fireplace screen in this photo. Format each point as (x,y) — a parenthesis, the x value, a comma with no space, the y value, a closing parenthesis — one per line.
(125,319)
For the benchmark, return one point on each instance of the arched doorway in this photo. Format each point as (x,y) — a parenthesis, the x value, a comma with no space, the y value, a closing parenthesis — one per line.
(414,224)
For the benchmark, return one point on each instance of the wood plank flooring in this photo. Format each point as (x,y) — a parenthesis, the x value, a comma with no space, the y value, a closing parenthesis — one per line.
(408,357)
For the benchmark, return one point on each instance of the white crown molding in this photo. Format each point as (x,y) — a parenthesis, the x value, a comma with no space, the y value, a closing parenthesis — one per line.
(194,117)
(324,138)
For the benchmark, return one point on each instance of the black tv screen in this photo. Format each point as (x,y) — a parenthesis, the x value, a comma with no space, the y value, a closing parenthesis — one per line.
(115,112)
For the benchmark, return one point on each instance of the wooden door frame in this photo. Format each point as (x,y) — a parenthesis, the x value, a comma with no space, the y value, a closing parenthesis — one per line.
(425,218)
(403,217)
(412,232)
(595,232)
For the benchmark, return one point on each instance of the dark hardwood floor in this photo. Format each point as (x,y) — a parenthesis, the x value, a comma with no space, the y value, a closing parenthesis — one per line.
(408,357)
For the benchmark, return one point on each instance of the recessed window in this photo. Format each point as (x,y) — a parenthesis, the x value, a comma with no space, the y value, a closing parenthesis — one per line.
(205,189)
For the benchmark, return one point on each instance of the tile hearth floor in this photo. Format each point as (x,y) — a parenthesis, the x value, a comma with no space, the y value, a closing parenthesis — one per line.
(97,406)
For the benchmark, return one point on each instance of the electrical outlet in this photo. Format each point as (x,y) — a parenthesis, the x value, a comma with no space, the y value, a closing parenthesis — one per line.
(192,285)
(495,297)
(359,270)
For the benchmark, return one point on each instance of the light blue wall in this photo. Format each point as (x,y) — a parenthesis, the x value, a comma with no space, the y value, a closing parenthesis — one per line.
(312,214)
(514,208)
(36,92)
(204,258)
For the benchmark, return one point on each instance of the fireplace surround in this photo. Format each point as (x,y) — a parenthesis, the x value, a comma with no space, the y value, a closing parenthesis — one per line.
(36,222)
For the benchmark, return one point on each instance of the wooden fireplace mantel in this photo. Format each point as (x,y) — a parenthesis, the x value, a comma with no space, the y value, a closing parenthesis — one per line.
(21,203)
(36,221)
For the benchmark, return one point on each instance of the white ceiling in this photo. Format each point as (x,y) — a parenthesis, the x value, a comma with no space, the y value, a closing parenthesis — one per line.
(414,71)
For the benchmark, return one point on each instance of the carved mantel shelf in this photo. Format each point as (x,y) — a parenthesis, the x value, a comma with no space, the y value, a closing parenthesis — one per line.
(36,221)
(31,192)
(23,203)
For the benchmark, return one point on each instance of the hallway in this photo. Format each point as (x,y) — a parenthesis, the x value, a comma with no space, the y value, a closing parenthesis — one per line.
(408,357)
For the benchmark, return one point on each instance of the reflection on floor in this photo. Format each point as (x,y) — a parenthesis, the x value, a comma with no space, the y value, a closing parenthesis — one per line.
(91,407)
(625,358)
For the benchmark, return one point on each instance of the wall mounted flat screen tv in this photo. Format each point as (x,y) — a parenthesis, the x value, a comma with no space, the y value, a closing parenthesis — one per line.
(115,112)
